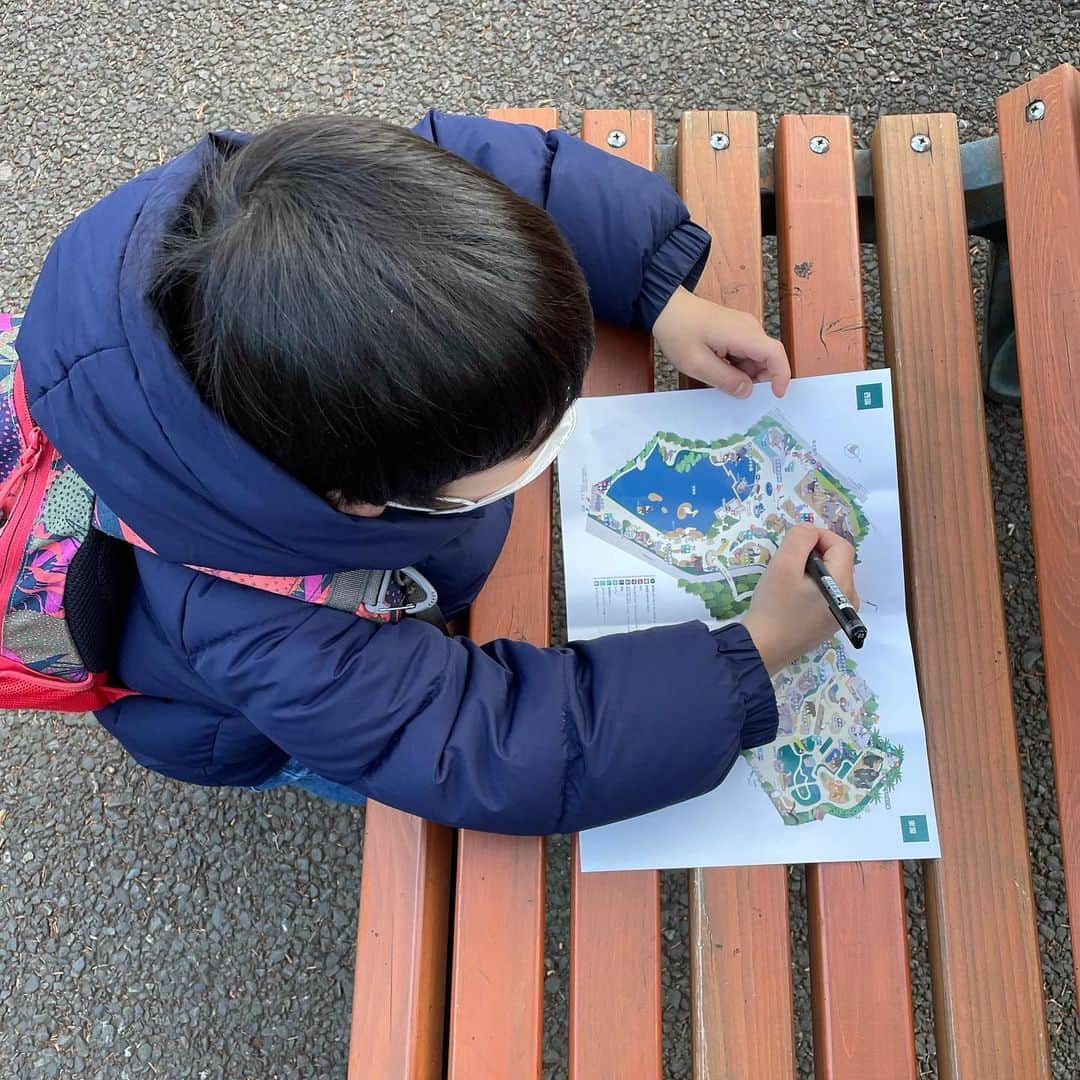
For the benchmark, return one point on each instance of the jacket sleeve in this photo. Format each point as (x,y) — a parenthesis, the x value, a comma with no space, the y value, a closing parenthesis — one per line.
(505,737)
(630,232)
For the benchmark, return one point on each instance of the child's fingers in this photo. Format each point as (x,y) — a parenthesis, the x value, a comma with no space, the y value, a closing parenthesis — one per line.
(760,373)
(771,359)
(751,348)
(795,548)
(832,545)
(839,557)
(717,371)
(778,367)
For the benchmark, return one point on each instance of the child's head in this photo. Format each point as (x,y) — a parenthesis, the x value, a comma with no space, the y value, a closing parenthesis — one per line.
(376,315)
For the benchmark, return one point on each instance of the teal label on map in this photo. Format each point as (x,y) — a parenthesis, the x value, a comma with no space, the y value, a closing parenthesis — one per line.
(869,396)
(914,829)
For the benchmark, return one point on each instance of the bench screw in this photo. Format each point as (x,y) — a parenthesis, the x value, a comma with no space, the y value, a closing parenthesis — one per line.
(819,144)
(1036,110)
(920,143)
(616,138)
(719,140)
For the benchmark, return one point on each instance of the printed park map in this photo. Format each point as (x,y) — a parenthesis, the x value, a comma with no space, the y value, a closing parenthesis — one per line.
(711,514)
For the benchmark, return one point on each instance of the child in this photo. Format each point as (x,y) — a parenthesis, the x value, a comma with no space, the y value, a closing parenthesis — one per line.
(340,345)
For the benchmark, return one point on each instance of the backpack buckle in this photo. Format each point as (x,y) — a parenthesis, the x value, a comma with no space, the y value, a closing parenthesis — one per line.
(403,592)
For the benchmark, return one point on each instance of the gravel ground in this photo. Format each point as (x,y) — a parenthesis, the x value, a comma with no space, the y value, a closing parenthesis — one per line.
(149,928)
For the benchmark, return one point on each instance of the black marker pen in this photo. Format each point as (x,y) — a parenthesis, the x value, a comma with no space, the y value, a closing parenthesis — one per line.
(841,607)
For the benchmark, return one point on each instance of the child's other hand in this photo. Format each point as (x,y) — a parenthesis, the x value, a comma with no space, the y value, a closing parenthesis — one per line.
(720,346)
(788,615)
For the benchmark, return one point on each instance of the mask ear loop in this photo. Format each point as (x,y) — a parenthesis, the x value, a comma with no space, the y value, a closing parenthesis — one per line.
(545,458)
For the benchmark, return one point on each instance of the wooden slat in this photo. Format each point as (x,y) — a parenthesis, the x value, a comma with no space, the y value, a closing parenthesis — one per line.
(856,910)
(856,922)
(740,974)
(496,1019)
(988,1002)
(623,361)
(615,1020)
(821,303)
(496,1013)
(1041,162)
(722,190)
(741,1014)
(399,986)
(546,118)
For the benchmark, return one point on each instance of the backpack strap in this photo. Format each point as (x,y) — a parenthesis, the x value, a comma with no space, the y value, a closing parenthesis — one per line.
(385,596)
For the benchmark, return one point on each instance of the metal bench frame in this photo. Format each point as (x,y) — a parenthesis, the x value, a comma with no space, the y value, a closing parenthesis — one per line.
(980,166)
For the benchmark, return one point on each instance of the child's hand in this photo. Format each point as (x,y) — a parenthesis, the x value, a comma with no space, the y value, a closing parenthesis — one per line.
(720,346)
(788,616)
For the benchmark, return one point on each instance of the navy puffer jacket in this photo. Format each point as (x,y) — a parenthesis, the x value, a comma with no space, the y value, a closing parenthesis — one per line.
(503,736)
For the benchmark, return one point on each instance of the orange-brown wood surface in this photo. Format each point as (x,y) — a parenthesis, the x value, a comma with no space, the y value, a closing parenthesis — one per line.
(741,1019)
(496,1010)
(615,1028)
(623,361)
(546,118)
(740,974)
(817,237)
(496,1015)
(615,1020)
(988,1003)
(722,190)
(856,910)
(1041,161)
(398,1013)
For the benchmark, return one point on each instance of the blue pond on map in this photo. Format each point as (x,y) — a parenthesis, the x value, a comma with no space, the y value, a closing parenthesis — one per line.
(704,486)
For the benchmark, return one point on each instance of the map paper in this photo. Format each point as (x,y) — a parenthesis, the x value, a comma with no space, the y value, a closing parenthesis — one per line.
(672,505)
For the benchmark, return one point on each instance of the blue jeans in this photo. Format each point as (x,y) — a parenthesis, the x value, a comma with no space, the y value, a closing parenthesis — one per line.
(292,772)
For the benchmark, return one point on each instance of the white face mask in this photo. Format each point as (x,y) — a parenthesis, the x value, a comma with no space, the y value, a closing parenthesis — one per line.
(541,461)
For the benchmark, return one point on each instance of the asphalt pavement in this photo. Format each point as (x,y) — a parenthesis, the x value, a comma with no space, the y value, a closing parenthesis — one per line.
(148,928)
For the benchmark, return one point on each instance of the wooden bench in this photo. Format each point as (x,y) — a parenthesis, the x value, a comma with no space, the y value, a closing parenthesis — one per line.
(1040,150)
(450,970)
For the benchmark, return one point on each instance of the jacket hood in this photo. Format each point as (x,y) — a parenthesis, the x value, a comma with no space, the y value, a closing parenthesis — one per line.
(105,386)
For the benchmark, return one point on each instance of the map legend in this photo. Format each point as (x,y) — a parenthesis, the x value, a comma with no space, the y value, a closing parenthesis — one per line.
(626,601)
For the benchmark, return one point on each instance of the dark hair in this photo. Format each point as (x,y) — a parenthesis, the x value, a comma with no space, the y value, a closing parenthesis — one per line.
(374,314)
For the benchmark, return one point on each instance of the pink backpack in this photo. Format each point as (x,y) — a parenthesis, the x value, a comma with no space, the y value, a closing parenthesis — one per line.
(66,570)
